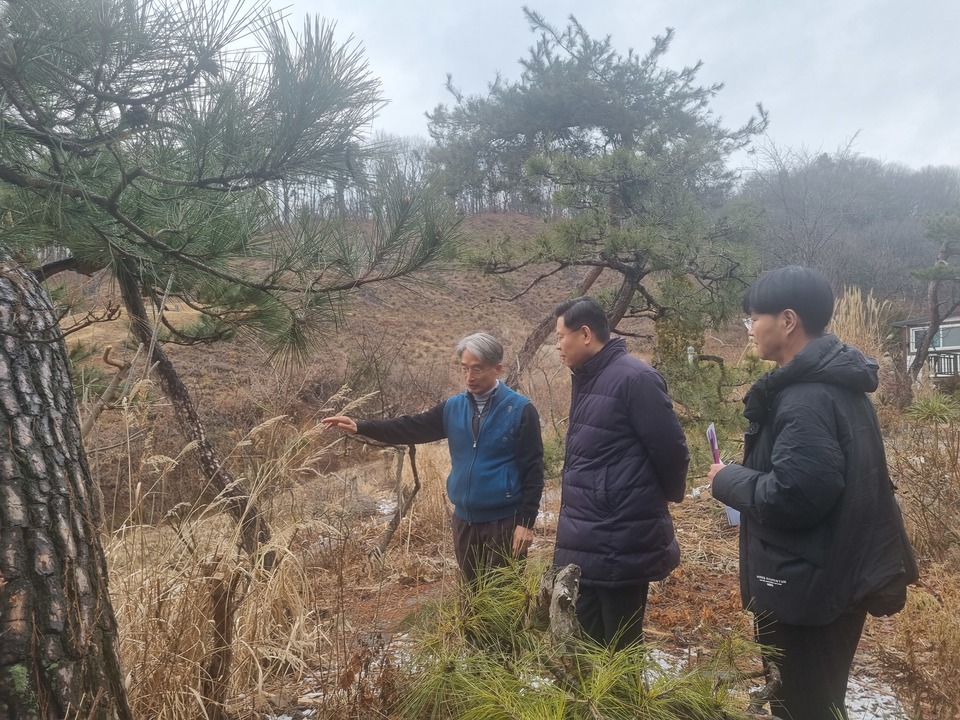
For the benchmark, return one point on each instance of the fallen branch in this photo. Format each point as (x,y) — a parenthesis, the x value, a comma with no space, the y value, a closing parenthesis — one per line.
(404,502)
(110,394)
(761,696)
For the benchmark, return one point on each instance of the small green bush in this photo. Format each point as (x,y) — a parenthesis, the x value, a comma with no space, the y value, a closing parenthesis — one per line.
(478,657)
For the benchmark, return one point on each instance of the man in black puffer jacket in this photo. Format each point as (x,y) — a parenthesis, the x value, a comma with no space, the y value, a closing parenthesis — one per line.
(822,540)
(625,457)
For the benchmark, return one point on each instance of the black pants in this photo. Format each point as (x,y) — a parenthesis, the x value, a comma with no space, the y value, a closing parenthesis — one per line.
(613,615)
(483,545)
(814,664)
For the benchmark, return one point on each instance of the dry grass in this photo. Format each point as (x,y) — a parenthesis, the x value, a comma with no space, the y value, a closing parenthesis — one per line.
(187,601)
(923,460)
(862,321)
(166,583)
(922,452)
(927,647)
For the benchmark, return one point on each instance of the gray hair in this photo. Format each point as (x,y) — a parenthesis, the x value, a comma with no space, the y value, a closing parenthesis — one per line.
(486,347)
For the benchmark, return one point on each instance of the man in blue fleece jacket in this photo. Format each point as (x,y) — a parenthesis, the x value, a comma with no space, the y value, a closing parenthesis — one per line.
(496,455)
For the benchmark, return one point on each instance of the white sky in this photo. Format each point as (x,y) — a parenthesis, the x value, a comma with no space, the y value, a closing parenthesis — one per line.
(885,71)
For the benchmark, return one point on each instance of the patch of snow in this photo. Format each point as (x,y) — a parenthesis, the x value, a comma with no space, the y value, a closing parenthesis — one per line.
(867,697)
(870,699)
(386,506)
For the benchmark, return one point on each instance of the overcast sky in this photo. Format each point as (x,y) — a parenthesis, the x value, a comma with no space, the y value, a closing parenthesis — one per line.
(883,71)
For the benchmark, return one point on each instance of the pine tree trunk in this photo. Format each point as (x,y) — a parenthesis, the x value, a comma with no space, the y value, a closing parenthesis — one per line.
(254,531)
(58,633)
(538,336)
(621,301)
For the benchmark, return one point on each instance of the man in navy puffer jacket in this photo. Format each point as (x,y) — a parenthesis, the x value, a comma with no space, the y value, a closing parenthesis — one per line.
(496,456)
(625,458)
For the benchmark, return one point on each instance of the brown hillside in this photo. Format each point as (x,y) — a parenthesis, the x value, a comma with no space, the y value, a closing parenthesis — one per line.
(395,338)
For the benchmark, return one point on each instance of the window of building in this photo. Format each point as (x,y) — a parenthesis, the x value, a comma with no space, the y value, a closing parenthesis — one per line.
(947,338)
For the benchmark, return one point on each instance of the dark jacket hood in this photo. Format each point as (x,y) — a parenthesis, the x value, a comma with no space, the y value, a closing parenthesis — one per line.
(822,360)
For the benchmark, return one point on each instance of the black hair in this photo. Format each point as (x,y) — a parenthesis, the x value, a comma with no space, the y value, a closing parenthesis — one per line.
(801,289)
(581,311)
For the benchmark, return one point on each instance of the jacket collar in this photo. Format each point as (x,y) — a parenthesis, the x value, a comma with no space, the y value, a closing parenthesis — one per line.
(824,359)
(614,348)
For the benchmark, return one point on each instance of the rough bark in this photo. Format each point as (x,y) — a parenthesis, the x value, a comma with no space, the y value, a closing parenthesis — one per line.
(58,634)
(554,609)
(762,696)
(564,626)
(254,531)
(621,301)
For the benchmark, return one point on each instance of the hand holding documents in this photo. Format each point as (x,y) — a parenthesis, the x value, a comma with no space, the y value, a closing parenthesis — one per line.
(733,516)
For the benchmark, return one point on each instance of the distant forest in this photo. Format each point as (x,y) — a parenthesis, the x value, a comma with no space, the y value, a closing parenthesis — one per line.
(630,170)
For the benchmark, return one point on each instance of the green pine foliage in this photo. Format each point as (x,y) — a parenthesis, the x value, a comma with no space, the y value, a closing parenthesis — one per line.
(480,656)
(624,158)
(197,150)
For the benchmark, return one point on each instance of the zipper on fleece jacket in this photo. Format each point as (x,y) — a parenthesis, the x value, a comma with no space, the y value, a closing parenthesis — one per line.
(475,434)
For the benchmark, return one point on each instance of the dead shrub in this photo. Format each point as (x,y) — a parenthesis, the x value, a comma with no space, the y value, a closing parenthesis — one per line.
(927,647)
(922,455)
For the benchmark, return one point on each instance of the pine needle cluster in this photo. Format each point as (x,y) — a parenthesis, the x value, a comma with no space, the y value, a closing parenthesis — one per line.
(480,655)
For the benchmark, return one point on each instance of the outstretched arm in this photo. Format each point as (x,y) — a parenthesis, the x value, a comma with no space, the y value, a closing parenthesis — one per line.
(404,430)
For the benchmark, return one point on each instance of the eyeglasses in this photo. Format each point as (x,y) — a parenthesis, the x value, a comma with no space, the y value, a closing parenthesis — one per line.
(748,323)
(475,371)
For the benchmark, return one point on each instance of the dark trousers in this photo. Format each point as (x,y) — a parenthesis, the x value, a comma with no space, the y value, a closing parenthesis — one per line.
(613,616)
(483,545)
(814,664)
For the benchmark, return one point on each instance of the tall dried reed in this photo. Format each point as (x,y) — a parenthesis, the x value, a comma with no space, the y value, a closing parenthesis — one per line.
(205,630)
(864,322)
